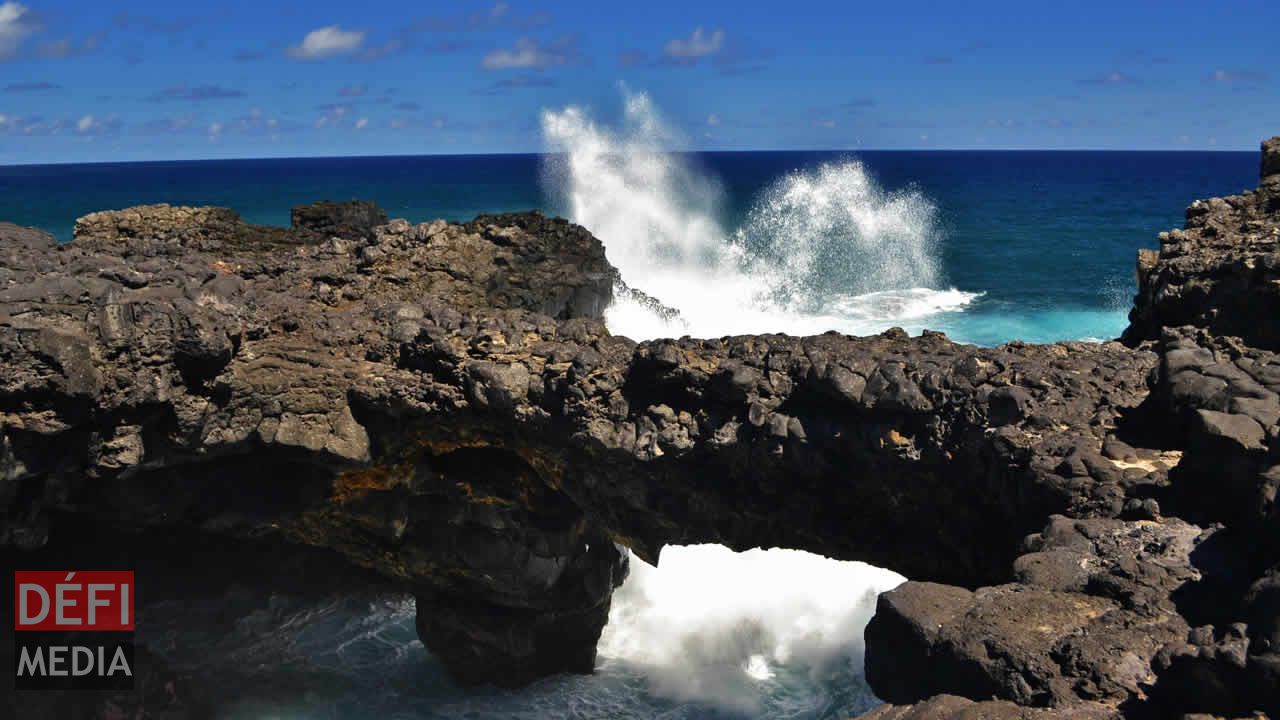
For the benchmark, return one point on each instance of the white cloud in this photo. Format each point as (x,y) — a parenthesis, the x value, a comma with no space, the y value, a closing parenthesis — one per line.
(713,119)
(362,123)
(93,125)
(1237,76)
(529,54)
(215,129)
(327,42)
(334,116)
(699,44)
(16,24)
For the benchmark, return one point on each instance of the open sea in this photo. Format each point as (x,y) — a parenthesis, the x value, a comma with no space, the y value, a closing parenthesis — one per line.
(986,246)
(1038,245)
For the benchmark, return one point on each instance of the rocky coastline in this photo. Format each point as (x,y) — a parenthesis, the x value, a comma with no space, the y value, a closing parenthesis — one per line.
(1090,529)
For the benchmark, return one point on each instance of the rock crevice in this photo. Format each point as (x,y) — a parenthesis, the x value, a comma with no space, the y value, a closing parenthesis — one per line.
(1089,528)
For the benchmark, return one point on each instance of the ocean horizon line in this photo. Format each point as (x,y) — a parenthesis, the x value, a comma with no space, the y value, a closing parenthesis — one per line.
(852,151)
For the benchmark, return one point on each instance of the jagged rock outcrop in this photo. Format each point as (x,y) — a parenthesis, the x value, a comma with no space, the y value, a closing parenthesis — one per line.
(327,219)
(1222,271)
(1088,527)
(167,374)
(954,707)
(441,404)
(1168,607)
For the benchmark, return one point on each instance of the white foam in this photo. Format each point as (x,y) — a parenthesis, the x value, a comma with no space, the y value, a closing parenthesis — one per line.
(732,629)
(824,249)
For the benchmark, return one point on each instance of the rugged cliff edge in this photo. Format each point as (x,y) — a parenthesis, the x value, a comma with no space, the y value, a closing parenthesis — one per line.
(439,407)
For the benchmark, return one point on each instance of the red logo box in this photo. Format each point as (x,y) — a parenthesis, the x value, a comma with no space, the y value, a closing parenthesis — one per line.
(93,600)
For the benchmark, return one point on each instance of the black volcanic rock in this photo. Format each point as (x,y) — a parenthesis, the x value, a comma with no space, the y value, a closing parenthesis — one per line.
(954,707)
(1091,608)
(326,219)
(441,406)
(1222,271)
(1271,158)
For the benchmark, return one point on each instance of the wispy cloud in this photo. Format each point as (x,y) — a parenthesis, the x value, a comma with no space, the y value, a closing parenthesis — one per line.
(1112,78)
(497,17)
(1237,77)
(249,55)
(518,82)
(351,91)
(93,125)
(530,54)
(26,87)
(335,115)
(437,122)
(87,125)
(256,123)
(732,57)
(449,29)
(953,54)
(66,47)
(157,25)
(33,125)
(327,42)
(631,57)
(16,25)
(195,93)
(169,125)
(699,44)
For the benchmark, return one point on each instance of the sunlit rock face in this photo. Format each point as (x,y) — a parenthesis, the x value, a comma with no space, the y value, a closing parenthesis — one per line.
(1221,271)
(442,406)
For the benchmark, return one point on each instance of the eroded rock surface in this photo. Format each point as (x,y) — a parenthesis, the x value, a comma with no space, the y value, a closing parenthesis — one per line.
(1222,271)
(1089,528)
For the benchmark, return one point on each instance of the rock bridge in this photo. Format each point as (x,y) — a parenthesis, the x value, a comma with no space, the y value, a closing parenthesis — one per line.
(1089,528)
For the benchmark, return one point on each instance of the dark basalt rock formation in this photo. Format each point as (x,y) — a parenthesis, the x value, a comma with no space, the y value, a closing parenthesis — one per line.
(328,219)
(954,707)
(1222,271)
(1089,527)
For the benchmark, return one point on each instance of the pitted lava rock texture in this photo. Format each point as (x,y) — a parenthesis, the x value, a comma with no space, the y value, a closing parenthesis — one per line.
(1089,528)
(954,707)
(1222,271)
(327,219)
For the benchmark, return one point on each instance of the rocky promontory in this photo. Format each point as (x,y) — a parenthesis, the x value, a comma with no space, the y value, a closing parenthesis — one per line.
(1090,529)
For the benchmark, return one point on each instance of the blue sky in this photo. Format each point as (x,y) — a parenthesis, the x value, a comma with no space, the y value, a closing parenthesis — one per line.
(95,81)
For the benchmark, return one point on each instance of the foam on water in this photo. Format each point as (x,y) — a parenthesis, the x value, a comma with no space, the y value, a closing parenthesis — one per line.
(756,632)
(708,634)
(821,249)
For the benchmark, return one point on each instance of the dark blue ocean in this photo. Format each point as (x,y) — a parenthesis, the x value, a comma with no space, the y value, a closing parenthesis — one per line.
(987,246)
